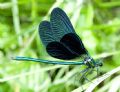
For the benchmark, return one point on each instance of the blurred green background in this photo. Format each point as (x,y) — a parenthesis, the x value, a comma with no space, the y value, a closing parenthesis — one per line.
(97,22)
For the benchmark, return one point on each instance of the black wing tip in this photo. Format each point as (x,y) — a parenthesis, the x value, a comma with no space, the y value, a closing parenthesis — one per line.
(57,9)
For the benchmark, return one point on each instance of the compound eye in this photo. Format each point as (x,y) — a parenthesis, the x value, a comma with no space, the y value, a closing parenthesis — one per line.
(100,64)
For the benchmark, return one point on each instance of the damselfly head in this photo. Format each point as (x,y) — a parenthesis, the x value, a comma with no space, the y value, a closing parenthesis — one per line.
(99,63)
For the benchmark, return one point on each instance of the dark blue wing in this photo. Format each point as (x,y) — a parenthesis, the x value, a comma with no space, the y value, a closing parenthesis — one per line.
(60,23)
(59,37)
(58,50)
(45,33)
(58,26)
(74,43)
(69,47)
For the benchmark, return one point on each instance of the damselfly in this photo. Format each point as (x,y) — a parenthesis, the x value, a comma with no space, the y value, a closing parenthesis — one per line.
(61,42)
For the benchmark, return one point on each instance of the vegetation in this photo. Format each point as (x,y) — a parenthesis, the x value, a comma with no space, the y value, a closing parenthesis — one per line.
(97,22)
